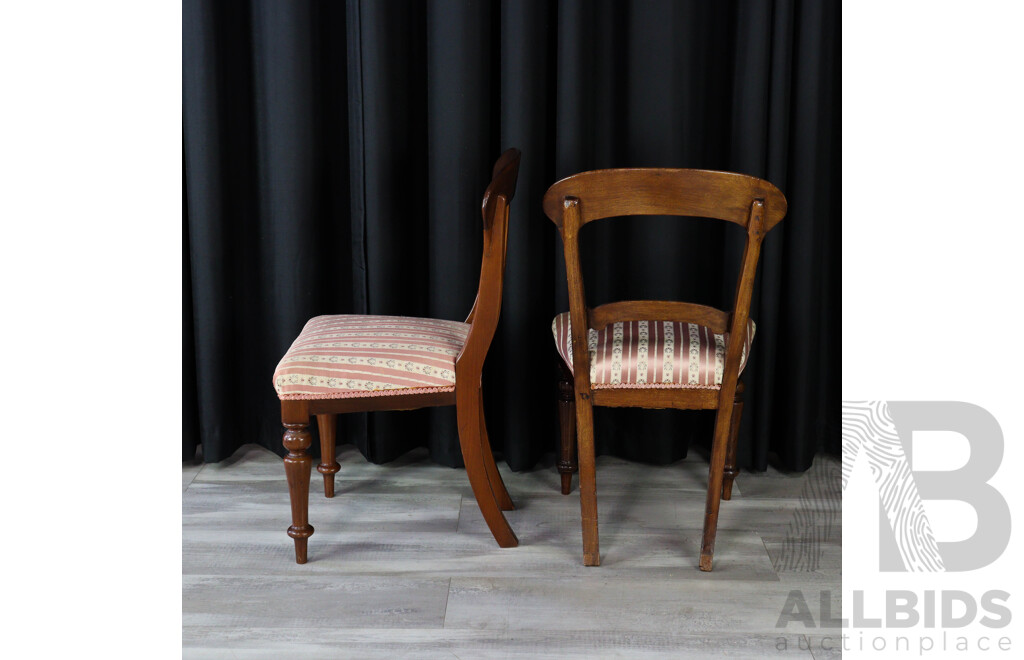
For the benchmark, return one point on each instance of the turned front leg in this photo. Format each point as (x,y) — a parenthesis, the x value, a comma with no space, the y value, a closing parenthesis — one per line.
(297,466)
(567,462)
(731,469)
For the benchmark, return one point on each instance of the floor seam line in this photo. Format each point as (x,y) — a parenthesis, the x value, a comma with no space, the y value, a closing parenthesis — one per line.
(194,476)
(447,597)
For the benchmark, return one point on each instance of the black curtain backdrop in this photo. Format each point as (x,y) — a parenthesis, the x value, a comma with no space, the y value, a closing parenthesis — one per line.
(335,158)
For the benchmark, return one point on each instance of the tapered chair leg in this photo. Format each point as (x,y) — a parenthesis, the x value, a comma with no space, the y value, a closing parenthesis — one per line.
(297,466)
(731,469)
(467,405)
(719,447)
(493,476)
(328,438)
(588,480)
(567,464)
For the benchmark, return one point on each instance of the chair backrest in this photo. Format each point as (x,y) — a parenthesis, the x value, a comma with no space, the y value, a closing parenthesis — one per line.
(483,318)
(754,204)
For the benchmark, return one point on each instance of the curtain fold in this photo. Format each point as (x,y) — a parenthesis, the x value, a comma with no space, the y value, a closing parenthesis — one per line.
(335,158)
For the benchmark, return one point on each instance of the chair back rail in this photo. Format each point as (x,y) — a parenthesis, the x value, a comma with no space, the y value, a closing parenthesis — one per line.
(654,191)
(658,310)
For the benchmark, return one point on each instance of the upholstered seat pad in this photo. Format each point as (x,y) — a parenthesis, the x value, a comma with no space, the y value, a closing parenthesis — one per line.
(350,355)
(652,354)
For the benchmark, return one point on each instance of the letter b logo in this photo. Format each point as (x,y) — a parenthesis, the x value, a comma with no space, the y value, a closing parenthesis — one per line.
(883,431)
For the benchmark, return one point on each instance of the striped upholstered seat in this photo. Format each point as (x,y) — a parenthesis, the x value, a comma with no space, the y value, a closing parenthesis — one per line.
(349,356)
(652,354)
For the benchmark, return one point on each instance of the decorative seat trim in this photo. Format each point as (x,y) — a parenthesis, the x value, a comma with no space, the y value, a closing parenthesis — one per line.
(363,394)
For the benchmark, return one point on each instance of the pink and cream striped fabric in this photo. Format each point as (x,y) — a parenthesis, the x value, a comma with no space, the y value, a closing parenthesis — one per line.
(652,354)
(349,355)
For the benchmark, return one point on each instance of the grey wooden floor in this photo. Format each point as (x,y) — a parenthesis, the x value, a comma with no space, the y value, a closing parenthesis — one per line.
(402,565)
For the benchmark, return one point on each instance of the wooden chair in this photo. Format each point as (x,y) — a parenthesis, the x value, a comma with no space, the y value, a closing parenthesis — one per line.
(356,363)
(626,353)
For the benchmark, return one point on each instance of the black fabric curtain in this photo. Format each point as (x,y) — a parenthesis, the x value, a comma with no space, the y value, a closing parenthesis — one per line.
(335,159)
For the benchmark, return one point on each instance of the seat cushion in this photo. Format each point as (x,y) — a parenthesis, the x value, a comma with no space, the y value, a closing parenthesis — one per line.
(652,354)
(350,355)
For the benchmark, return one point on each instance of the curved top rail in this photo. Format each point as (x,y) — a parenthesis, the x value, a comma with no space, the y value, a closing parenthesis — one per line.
(659,191)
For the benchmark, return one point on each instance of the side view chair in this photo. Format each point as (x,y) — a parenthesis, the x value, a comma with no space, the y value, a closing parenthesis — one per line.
(356,363)
(648,353)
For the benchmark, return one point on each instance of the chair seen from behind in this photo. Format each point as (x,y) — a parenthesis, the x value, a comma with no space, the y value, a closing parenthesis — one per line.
(652,353)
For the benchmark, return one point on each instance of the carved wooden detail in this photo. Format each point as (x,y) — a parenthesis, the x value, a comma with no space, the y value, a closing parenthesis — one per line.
(297,465)
(567,464)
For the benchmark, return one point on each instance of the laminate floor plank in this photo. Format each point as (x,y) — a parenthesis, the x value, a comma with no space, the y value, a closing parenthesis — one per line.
(597,602)
(430,644)
(807,554)
(771,517)
(674,554)
(344,602)
(402,564)
(264,505)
